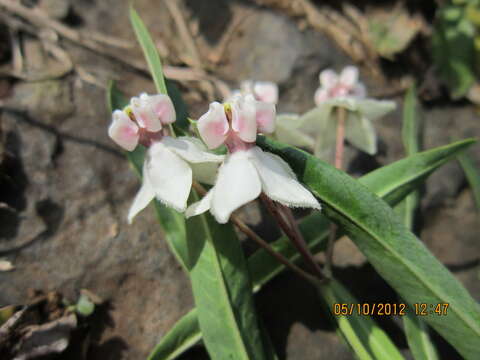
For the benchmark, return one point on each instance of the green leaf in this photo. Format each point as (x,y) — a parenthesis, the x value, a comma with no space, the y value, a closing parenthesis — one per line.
(222,290)
(361,332)
(392,182)
(411,129)
(473,176)
(181,125)
(415,328)
(173,222)
(396,254)
(149,50)
(182,336)
(418,338)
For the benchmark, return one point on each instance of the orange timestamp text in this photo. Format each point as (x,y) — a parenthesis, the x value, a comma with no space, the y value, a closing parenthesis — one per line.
(387,309)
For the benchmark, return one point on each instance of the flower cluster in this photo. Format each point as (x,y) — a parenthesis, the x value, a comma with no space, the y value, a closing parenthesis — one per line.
(344,91)
(171,163)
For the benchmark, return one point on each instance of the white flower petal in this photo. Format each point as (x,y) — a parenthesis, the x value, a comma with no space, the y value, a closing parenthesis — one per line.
(328,78)
(287,131)
(213,126)
(244,117)
(265,117)
(163,108)
(373,109)
(349,75)
(266,91)
(279,182)
(190,149)
(200,206)
(144,114)
(123,131)
(143,197)
(237,184)
(360,132)
(169,175)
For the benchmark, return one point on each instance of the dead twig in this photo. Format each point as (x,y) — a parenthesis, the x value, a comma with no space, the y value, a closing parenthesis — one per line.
(40,19)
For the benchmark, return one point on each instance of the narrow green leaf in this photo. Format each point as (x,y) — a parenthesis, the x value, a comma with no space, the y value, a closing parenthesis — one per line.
(412,123)
(473,175)
(418,338)
(222,290)
(392,182)
(415,328)
(149,50)
(173,222)
(397,255)
(361,332)
(181,337)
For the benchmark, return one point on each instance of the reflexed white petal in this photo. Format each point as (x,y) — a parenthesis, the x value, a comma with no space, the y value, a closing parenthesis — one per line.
(312,121)
(190,149)
(265,117)
(360,132)
(123,131)
(163,108)
(266,91)
(142,199)
(237,184)
(200,206)
(324,147)
(328,78)
(286,130)
(279,182)
(374,109)
(169,175)
(243,117)
(349,75)
(349,103)
(213,126)
(144,114)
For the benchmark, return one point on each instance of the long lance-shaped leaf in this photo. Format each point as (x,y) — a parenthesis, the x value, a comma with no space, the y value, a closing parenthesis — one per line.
(361,332)
(173,223)
(184,334)
(222,290)
(392,182)
(149,50)
(396,254)
(473,176)
(415,328)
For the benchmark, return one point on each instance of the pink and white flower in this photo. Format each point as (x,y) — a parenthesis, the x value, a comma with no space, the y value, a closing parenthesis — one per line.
(343,85)
(170,163)
(247,170)
(343,90)
(142,122)
(265,91)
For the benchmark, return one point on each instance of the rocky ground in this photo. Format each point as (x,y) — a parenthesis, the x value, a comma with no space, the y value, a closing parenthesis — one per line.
(69,188)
